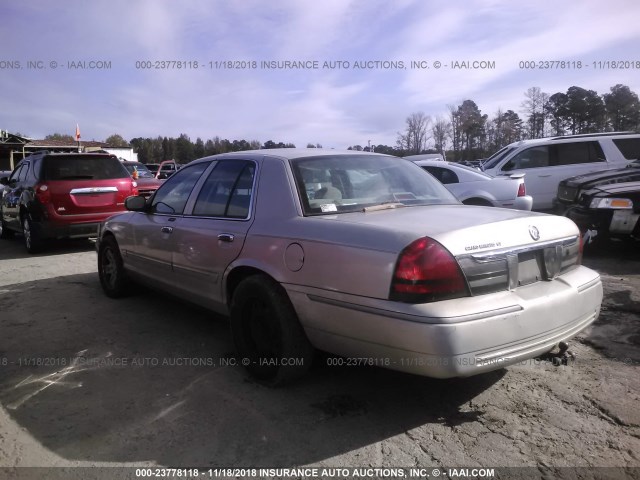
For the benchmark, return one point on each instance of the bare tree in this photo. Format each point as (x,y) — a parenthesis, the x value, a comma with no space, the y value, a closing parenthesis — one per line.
(441,132)
(456,131)
(414,140)
(535,108)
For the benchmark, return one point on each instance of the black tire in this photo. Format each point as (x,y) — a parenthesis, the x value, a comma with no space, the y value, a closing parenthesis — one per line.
(269,339)
(4,231)
(32,241)
(113,277)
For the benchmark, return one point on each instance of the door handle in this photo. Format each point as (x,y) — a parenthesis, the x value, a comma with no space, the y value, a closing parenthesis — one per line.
(226,237)
(166,229)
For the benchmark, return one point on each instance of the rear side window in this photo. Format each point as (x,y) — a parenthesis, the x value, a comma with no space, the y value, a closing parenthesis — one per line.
(82,167)
(579,152)
(445,175)
(629,147)
(22,176)
(17,172)
(227,191)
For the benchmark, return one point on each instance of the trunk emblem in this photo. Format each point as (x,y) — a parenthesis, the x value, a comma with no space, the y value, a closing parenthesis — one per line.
(534,232)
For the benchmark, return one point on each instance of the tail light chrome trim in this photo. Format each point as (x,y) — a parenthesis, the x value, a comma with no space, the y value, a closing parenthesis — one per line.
(91,190)
(502,269)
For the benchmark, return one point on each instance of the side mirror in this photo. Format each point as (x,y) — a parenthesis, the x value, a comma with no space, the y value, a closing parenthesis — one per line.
(136,204)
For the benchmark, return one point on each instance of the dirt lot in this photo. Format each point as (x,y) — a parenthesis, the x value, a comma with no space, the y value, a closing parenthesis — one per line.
(86,380)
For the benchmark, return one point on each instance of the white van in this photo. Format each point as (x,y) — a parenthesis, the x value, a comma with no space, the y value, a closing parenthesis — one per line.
(547,161)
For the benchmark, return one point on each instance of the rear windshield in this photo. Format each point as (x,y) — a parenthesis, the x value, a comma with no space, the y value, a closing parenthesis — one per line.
(82,167)
(337,184)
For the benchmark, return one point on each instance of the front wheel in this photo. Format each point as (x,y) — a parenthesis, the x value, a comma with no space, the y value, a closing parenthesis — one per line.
(113,277)
(268,336)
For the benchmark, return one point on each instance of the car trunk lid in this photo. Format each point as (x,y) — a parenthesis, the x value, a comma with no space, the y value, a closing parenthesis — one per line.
(89,196)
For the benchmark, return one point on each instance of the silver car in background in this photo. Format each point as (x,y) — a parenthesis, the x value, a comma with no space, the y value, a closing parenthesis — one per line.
(358,254)
(472,187)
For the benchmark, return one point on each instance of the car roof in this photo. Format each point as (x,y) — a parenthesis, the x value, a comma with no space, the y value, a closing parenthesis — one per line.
(46,153)
(452,165)
(579,137)
(289,153)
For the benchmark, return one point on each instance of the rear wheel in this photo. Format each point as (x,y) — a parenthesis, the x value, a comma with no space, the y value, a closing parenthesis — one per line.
(268,336)
(478,202)
(4,230)
(32,241)
(113,277)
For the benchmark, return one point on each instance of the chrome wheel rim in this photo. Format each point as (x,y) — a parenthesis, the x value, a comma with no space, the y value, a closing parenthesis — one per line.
(26,232)
(109,268)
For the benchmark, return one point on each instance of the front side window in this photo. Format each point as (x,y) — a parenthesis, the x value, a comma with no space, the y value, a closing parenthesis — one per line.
(227,191)
(533,157)
(337,184)
(172,196)
(494,159)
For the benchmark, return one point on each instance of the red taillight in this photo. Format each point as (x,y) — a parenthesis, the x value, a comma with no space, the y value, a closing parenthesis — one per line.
(580,249)
(522,190)
(427,272)
(43,194)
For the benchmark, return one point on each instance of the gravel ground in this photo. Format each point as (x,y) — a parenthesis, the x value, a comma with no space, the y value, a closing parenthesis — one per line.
(147,380)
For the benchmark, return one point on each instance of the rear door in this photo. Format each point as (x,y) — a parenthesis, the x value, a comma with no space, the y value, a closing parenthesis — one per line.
(85,184)
(212,234)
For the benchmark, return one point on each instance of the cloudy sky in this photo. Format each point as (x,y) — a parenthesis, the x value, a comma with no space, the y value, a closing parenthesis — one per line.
(364,91)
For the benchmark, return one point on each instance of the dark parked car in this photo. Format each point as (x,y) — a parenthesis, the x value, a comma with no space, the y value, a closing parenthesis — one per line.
(62,195)
(604,204)
(147,181)
(163,170)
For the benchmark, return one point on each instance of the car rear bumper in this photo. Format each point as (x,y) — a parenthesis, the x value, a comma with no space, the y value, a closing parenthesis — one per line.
(70,226)
(76,230)
(520,203)
(450,338)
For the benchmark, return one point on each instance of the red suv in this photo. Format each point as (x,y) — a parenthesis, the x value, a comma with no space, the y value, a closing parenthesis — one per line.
(62,195)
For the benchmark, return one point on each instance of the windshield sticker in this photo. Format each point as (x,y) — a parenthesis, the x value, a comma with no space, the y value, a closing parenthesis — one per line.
(328,207)
(400,196)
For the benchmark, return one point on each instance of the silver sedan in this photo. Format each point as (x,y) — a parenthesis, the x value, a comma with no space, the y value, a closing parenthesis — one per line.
(362,255)
(472,187)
